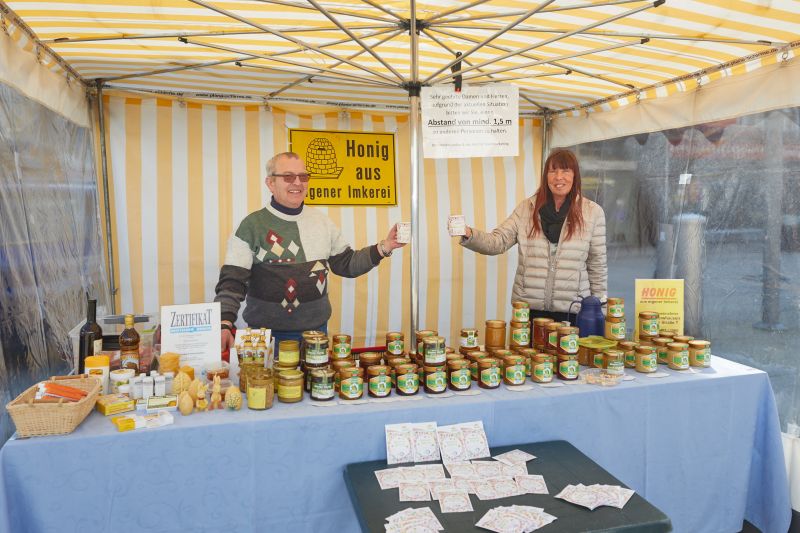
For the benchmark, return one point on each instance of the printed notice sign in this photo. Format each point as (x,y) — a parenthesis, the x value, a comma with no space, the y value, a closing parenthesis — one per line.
(347,167)
(477,122)
(663,296)
(193,331)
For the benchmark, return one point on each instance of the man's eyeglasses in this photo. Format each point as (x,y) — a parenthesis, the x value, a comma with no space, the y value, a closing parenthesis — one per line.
(289,177)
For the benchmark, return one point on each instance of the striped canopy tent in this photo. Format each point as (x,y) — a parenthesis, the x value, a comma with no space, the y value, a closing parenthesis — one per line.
(582,68)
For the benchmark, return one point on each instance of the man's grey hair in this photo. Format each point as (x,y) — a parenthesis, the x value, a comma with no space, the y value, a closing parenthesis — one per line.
(272,162)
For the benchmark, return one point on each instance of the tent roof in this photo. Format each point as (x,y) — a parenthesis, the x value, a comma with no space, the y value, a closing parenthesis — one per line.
(565,55)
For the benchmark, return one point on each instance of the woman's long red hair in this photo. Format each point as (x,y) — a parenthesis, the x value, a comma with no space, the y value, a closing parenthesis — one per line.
(560,159)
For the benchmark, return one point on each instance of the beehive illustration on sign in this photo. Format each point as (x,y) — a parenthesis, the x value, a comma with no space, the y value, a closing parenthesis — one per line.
(321,159)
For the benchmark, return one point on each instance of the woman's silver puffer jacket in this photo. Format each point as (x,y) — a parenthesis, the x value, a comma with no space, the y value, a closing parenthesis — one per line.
(577,267)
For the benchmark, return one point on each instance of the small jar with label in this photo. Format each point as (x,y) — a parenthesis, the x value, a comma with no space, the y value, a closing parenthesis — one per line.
(514,370)
(393,363)
(468,341)
(290,386)
(342,347)
(648,323)
(337,367)
(699,353)
(520,312)
(568,367)
(379,381)
(460,376)
(305,337)
(616,307)
(542,371)
(615,328)
(395,343)
(351,383)
(495,336)
(646,360)
(435,379)
(421,334)
(614,362)
(660,344)
(322,384)
(316,355)
(629,350)
(519,335)
(407,380)
(473,359)
(596,358)
(434,350)
(489,375)
(540,330)
(567,341)
(289,353)
(678,353)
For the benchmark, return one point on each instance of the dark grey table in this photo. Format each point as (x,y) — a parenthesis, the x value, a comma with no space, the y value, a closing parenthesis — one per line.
(559,462)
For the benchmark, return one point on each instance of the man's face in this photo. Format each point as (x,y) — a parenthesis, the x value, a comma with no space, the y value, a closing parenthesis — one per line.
(288,193)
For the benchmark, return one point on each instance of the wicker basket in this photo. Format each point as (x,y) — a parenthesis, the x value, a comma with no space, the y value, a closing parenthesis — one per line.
(39,419)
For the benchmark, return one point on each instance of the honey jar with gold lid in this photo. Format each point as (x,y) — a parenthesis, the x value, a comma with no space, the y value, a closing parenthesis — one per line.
(678,353)
(616,307)
(468,341)
(528,354)
(513,370)
(699,353)
(646,361)
(660,344)
(341,346)
(540,330)
(489,375)
(322,384)
(379,382)
(433,348)
(520,311)
(460,376)
(567,367)
(351,383)
(407,379)
(552,336)
(542,368)
(435,379)
(596,358)
(395,343)
(420,335)
(290,386)
(567,343)
(289,353)
(648,323)
(367,359)
(519,334)
(629,350)
(615,329)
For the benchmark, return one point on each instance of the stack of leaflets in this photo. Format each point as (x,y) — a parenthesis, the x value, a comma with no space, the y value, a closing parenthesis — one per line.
(420,520)
(515,519)
(593,496)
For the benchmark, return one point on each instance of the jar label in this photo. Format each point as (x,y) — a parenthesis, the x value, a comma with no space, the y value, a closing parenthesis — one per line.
(316,356)
(290,392)
(615,368)
(543,372)
(395,347)
(649,327)
(680,359)
(568,369)
(342,350)
(703,355)
(663,355)
(490,376)
(129,358)
(257,397)
(618,330)
(552,338)
(435,356)
(436,381)
(569,343)
(521,314)
(616,310)
(647,361)
(289,358)
(515,374)
(408,383)
(461,378)
(630,359)
(470,341)
(597,360)
(352,387)
(322,391)
(473,369)
(380,385)
(521,337)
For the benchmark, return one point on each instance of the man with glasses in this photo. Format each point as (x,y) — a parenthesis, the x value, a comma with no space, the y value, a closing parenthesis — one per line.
(280,256)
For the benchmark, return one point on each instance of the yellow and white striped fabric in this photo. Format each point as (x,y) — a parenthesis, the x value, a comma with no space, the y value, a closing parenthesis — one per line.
(182,176)
(599,42)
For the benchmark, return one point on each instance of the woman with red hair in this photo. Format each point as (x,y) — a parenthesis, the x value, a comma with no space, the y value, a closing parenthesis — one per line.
(562,241)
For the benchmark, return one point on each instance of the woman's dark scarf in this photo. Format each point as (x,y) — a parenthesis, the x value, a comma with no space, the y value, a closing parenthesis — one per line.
(552,220)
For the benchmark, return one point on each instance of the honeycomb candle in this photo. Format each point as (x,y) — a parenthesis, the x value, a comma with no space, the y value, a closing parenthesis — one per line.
(456,225)
(404,232)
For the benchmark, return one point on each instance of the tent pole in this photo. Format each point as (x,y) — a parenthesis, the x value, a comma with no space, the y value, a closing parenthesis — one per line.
(547,127)
(414,127)
(101,123)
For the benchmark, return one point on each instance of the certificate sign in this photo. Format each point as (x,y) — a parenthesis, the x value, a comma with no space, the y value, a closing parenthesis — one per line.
(193,331)
(477,122)
(663,296)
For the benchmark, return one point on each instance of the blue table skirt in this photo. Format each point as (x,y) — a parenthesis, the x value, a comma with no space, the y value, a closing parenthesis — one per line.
(703,447)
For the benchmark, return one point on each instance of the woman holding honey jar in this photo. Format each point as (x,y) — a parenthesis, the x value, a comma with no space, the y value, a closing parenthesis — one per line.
(562,241)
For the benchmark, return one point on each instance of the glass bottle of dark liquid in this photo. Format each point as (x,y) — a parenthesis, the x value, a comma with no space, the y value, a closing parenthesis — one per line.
(129,345)
(90,339)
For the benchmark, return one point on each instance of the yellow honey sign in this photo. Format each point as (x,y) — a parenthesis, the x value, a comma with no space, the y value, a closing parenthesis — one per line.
(347,167)
(663,296)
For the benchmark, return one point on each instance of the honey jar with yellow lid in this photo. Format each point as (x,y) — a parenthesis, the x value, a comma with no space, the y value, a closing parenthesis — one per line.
(542,370)
(699,353)
(460,377)
(513,370)
(379,381)
(407,379)
(489,376)
(435,379)
(616,307)
(495,336)
(395,343)
(520,311)
(351,383)
(646,361)
(678,353)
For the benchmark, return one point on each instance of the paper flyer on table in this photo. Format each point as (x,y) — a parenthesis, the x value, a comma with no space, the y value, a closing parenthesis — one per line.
(193,331)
